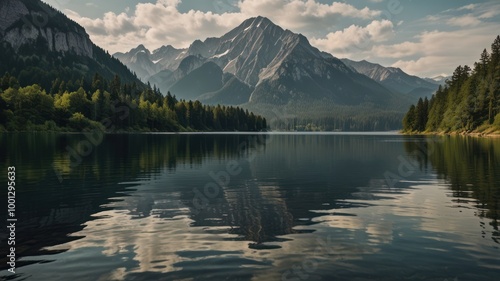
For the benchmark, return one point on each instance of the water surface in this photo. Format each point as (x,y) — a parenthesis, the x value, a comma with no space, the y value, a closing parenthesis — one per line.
(254,207)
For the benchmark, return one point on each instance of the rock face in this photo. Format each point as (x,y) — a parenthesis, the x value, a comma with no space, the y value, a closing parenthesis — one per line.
(147,64)
(138,59)
(10,12)
(394,79)
(268,64)
(24,22)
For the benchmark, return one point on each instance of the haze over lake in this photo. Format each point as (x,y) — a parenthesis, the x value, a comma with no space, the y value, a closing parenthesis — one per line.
(291,207)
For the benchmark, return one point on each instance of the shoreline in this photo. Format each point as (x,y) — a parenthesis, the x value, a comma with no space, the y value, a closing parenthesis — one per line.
(187,132)
(463,134)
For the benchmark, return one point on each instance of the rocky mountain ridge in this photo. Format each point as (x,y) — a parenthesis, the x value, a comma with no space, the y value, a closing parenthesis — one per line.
(21,25)
(279,67)
(394,79)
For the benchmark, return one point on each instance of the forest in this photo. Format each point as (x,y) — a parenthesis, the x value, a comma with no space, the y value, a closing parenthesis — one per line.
(112,106)
(43,90)
(468,103)
(377,121)
(451,159)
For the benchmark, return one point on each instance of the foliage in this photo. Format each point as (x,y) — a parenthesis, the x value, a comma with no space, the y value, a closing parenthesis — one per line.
(468,102)
(383,121)
(52,90)
(113,106)
(469,164)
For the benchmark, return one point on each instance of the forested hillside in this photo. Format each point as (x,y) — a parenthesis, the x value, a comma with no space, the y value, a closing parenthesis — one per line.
(53,77)
(469,102)
(111,106)
(276,73)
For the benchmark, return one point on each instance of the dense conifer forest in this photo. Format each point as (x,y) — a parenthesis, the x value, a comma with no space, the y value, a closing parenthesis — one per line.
(111,106)
(469,102)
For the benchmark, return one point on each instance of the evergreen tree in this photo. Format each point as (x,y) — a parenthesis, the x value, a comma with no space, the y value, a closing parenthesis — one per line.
(470,99)
(115,87)
(409,121)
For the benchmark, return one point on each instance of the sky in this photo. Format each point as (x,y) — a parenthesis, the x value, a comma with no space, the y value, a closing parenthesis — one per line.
(422,37)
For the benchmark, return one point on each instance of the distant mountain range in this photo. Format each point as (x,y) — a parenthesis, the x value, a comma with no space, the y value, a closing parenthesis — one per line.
(257,65)
(440,79)
(395,79)
(258,62)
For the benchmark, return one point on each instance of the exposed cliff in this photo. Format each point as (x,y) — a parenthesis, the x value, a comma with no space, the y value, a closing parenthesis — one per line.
(24,22)
(40,45)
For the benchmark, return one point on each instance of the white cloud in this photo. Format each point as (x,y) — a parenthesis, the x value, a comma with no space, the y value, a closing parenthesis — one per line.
(425,63)
(380,30)
(111,24)
(459,39)
(467,7)
(306,16)
(161,23)
(431,18)
(355,38)
(474,14)
(438,51)
(401,50)
(172,3)
(164,23)
(463,33)
(489,14)
(296,13)
(154,25)
(464,21)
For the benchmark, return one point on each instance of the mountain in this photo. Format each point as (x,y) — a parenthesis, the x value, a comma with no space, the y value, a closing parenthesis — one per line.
(52,77)
(234,92)
(147,64)
(19,26)
(139,59)
(276,66)
(394,79)
(439,80)
(165,79)
(206,78)
(40,45)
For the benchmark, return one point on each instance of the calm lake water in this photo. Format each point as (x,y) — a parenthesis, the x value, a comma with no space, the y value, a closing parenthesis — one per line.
(253,207)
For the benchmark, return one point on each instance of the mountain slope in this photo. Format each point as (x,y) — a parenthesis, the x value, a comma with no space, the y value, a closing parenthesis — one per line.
(40,52)
(394,78)
(139,59)
(206,78)
(278,67)
(52,77)
(439,80)
(233,92)
(165,79)
(147,64)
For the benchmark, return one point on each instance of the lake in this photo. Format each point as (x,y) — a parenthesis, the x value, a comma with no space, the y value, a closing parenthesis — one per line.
(374,206)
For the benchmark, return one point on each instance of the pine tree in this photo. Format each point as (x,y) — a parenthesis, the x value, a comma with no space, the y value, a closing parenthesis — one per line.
(420,114)
(495,52)
(483,63)
(409,121)
(115,87)
(468,100)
